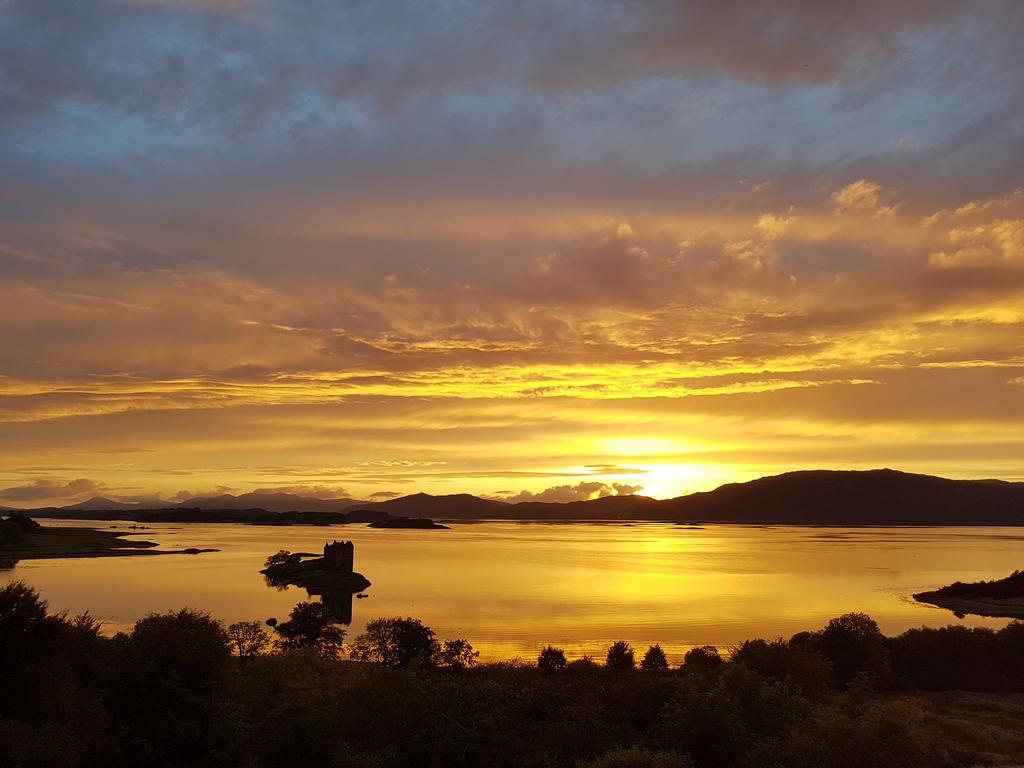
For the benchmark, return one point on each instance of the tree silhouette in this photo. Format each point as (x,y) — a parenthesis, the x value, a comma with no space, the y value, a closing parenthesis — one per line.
(654,659)
(854,644)
(703,656)
(278,558)
(796,664)
(396,642)
(171,673)
(248,637)
(310,626)
(551,659)
(20,609)
(620,656)
(456,654)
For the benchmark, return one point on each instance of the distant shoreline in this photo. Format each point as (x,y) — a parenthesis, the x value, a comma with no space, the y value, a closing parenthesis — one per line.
(48,543)
(213,517)
(880,497)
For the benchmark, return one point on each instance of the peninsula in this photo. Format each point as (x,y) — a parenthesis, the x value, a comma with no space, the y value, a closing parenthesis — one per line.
(1003,598)
(22,538)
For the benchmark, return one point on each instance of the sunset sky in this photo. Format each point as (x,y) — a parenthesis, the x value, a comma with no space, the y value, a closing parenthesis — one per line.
(519,249)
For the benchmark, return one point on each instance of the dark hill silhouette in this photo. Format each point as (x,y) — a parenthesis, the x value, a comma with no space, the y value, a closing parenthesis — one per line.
(463,506)
(826,497)
(271,502)
(605,508)
(99,502)
(456,506)
(873,497)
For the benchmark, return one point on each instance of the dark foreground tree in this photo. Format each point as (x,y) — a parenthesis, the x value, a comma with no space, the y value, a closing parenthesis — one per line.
(249,638)
(170,675)
(396,643)
(53,669)
(457,654)
(311,626)
(855,645)
(799,665)
(551,659)
(620,656)
(169,694)
(703,657)
(654,659)
(278,558)
(21,610)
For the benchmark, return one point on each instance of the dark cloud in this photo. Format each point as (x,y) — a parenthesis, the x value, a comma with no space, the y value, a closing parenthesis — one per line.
(451,244)
(247,66)
(49,489)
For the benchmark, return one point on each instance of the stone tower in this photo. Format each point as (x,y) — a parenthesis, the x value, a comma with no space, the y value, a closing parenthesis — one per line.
(339,556)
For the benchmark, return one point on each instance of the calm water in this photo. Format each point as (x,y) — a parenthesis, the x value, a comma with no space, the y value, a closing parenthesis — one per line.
(511,588)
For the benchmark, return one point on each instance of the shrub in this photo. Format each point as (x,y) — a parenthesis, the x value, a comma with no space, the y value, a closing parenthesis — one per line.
(1011,651)
(10,533)
(634,757)
(21,609)
(883,735)
(953,657)
(717,718)
(806,669)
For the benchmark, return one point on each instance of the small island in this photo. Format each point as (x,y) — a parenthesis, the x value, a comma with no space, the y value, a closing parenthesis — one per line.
(420,523)
(331,573)
(22,538)
(1003,598)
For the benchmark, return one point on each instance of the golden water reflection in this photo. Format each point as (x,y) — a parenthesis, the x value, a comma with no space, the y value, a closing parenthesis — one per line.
(511,588)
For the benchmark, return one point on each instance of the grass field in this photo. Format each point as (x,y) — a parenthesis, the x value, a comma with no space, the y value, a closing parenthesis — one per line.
(976,728)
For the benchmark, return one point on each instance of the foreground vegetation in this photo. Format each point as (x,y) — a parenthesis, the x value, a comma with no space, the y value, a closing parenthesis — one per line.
(181,689)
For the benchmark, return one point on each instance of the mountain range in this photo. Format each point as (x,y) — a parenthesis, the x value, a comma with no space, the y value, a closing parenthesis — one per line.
(827,497)
(271,502)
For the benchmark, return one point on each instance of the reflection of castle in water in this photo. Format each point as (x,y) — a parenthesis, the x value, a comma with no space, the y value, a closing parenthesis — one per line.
(338,606)
(338,556)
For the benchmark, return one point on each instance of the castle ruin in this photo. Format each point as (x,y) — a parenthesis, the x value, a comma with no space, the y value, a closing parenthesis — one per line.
(339,556)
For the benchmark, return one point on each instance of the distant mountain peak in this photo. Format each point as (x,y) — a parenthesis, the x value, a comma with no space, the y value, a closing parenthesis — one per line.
(276,501)
(99,503)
